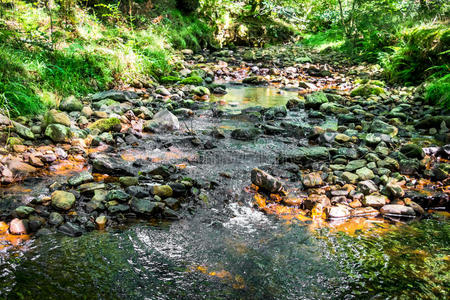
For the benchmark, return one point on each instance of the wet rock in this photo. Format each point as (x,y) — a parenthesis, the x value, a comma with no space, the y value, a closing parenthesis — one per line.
(417,208)
(440,171)
(121,96)
(388,163)
(379,126)
(372,139)
(164,120)
(106,125)
(412,151)
(375,200)
(17,227)
(19,168)
(364,212)
(305,154)
(366,90)
(265,181)
(433,122)
(393,190)
(255,80)
(23,131)
(146,207)
(367,187)
(128,181)
(112,166)
(312,179)
(365,174)
(163,191)
(104,105)
(315,100)
(350,177)
(315,199)
(201,91)
(355,164)
(117,195)
(55,219)
(275,112)
(23,211)
(397,210)
(55,117)
(71,104)
(245,134)
(70,229)
(90,187)
(410,166)
(333,108)
(58,133)
(63,200)
(80,178)
(337,212)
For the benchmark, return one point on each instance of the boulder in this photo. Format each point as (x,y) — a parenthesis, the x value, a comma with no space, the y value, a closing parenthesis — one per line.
(312,179)
(71,104)
(145,206)
(266,182)
(163,191)
(70,229)
(23,131)
(106,125)
(378,126)
(412,151)
(397,210)
(17,227)
(63,200)
(121,96)
(305,154)
(164,120)
(112,166)
(315,100)
(56,117)
(245,134)
(80,178)
(337,212)
(58,133)
(375,200)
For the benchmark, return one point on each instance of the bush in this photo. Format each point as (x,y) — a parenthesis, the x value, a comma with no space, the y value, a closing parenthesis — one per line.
(188,6)
(438,92)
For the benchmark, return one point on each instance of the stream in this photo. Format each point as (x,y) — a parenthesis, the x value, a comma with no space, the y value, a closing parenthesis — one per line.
(226,248)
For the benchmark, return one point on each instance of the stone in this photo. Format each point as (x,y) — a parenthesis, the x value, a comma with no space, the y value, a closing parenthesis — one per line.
(55,219)
(342,138)
(23,131)
(87,111)
(162,121)
(315,199)
(23,211)
(101,222)
(375,200)
(364,212)
(17,227)
(70,229)
(121,96)
(117,195)
(388,163)
(200,91)
(163,191)
(90,187)
(19,168)
(412,151)
(58,133)
(80,178)
(355,164)
(312,179)
(366,90)
(104,104)
(63,200)
(350,177)
(367,187)
(57,117)
(378,126)
(333,108)
(266,181)
(145,206)
(112,166)
(397,210)
(393,190)
(106,125)
(305,154)
(127,181)
(365,173)
(315,100)
(337,212)
(245,134)
(372,139)
(71,104)
(433,122)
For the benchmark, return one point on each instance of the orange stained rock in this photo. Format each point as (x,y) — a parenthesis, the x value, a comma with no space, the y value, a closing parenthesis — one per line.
(3,227)
(260,201)
(8,240)
(356,226)
(318,212)
(66,166)
(99,177)
(275,197)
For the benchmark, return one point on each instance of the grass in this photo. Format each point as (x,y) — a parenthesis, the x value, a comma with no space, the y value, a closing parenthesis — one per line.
(438,91)
(321,41)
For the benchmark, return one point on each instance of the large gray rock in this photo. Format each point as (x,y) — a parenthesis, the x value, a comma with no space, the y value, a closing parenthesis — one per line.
(58,133)
(164,120)
(146,207)
(112,166)
(245,134)
(71,104)
(266,181)
(305,154)
(56,117)
(375,200)
(397,210)
(80,178)
(23,131)
(379,126)
(121,96)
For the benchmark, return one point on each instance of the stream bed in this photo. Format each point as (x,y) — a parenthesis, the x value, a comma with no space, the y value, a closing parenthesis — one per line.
(226,248)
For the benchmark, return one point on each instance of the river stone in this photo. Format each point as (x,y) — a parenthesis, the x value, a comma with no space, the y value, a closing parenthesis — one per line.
(349,177)
(112,166)
(364,212)
(393,190)
(312,179)
(355,164)
(80,178)
(19,168)
(71,104)
(367,187)
(342,138)
(162,191)
(70,229)
(333,108)
(101,222)
(55,219)
(366,90)
(388,163)
(266,181)
(164,120)
(121,96)
(104,102)
(127,181)
(17,227)
(23,211)
(57,117)
(88,188)
(365,173)
(117,207)
(305,154)
(58,133)
(314,199)
(118,195)
(372,139)
(145,206)
(397,210)
(433,122)
(337,212)
(412,151)
(106,125)
(374,200)
(245,134)
(379,126)
(23,131)
(63,200)
(315,100)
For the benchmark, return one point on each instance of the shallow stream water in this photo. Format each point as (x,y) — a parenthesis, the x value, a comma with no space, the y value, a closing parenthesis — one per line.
(227,249)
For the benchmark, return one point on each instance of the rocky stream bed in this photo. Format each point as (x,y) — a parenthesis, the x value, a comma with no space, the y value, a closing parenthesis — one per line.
(207,174)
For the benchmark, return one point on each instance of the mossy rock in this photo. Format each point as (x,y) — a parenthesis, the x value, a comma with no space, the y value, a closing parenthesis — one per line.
(14,141)
(169,79)
(195,80)
(105,102)
(104,125)
(367,90)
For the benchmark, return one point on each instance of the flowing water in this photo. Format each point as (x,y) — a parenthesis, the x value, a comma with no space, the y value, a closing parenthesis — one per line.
(227,249)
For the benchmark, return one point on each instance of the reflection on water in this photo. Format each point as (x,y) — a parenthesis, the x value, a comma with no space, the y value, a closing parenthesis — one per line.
(243,97)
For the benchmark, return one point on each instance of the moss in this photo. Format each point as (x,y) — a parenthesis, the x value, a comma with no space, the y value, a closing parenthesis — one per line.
(14,141)
(169,79)
(104,125)
(367,90)
(195,80)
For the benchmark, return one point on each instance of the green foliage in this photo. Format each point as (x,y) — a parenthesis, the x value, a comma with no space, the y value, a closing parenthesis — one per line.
(438,91)
(195,80)
(169,79)
(188,6)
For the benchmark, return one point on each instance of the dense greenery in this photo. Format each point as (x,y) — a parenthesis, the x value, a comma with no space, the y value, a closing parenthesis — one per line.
(54,48)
